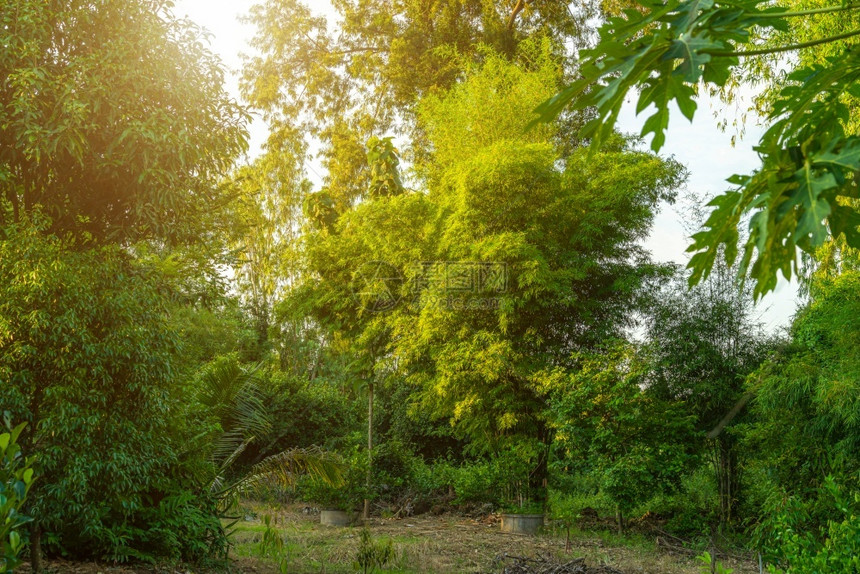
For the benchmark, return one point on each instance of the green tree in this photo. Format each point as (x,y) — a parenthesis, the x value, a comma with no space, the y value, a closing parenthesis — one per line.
(702,343)
(361,73)
(266,218)
(804,192)
(634,442)
(541,250)
(352,272)
(806,428)
(87,359)
(114,118)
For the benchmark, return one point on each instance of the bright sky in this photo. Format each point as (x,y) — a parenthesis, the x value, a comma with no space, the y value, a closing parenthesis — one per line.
(701,146)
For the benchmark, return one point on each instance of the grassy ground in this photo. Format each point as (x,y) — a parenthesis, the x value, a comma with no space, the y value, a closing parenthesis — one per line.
(439,544)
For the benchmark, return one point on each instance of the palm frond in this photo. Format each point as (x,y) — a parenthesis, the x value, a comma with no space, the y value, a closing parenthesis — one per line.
(227,457)
(285,468)
(233,394)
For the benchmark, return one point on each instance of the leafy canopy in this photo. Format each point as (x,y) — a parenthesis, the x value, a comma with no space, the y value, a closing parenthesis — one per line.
(114,119)
(87,359)
(801,194)
(561,228)
(340,81)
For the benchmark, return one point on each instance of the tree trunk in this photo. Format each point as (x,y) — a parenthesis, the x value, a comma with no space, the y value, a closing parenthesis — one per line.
(366,514)
(36,548)
(728,477)
(538,479)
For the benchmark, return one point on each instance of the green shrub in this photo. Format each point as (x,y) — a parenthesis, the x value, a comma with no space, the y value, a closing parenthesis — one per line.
(372,555)
(304,413)
(568,506)
(692,510)
(497,481)
(183,526)
(347,496)
(797,547)
(87,358)
(16,478)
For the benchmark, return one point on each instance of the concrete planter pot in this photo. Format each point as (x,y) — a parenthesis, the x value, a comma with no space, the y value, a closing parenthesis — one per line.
(522,523)
(335,518)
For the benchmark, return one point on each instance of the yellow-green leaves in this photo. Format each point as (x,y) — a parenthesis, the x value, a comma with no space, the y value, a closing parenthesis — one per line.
(382,157)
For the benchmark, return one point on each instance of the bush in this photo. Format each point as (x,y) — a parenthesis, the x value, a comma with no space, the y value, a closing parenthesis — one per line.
(86,357)
(183,526)
(692,510)
(306,413)
(347,496)
(16,478)
(495,481)
(789,539)
(372,555)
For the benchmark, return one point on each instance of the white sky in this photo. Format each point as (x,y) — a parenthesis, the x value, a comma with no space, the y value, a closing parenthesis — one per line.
(701,146)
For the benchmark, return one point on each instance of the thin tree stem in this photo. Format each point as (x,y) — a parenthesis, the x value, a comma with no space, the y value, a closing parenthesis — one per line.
(790,47)
(797,13)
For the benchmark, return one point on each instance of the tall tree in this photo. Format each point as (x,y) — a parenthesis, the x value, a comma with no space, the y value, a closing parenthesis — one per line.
(114,118)
(610,425)
(537,256)
(86,357)
(807,402)
(702,343)
(352,271)
(361,74)
(806,434)
(266,221)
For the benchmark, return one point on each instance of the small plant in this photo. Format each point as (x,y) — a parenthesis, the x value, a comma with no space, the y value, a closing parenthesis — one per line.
(712,566)
(272,545)
(16,478)
(565,512)
(372,555)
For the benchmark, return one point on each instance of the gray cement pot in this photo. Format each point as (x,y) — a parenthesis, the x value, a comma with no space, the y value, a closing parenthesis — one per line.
(522,523)
(335,518)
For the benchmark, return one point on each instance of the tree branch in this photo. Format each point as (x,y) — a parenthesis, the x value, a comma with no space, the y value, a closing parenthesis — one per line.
(521,4)
(790,47)
(715,432)
(797,13)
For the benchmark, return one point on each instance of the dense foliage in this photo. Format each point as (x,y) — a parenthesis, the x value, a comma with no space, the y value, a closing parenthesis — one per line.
(806,434)
(86,360)
(114,119)
(460,313)
(16,479)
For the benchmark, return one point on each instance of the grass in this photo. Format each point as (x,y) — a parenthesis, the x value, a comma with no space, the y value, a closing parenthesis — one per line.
(439,544)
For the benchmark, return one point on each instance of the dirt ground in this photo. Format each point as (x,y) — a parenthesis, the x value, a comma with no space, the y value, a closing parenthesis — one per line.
(454,544)
(438,544)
